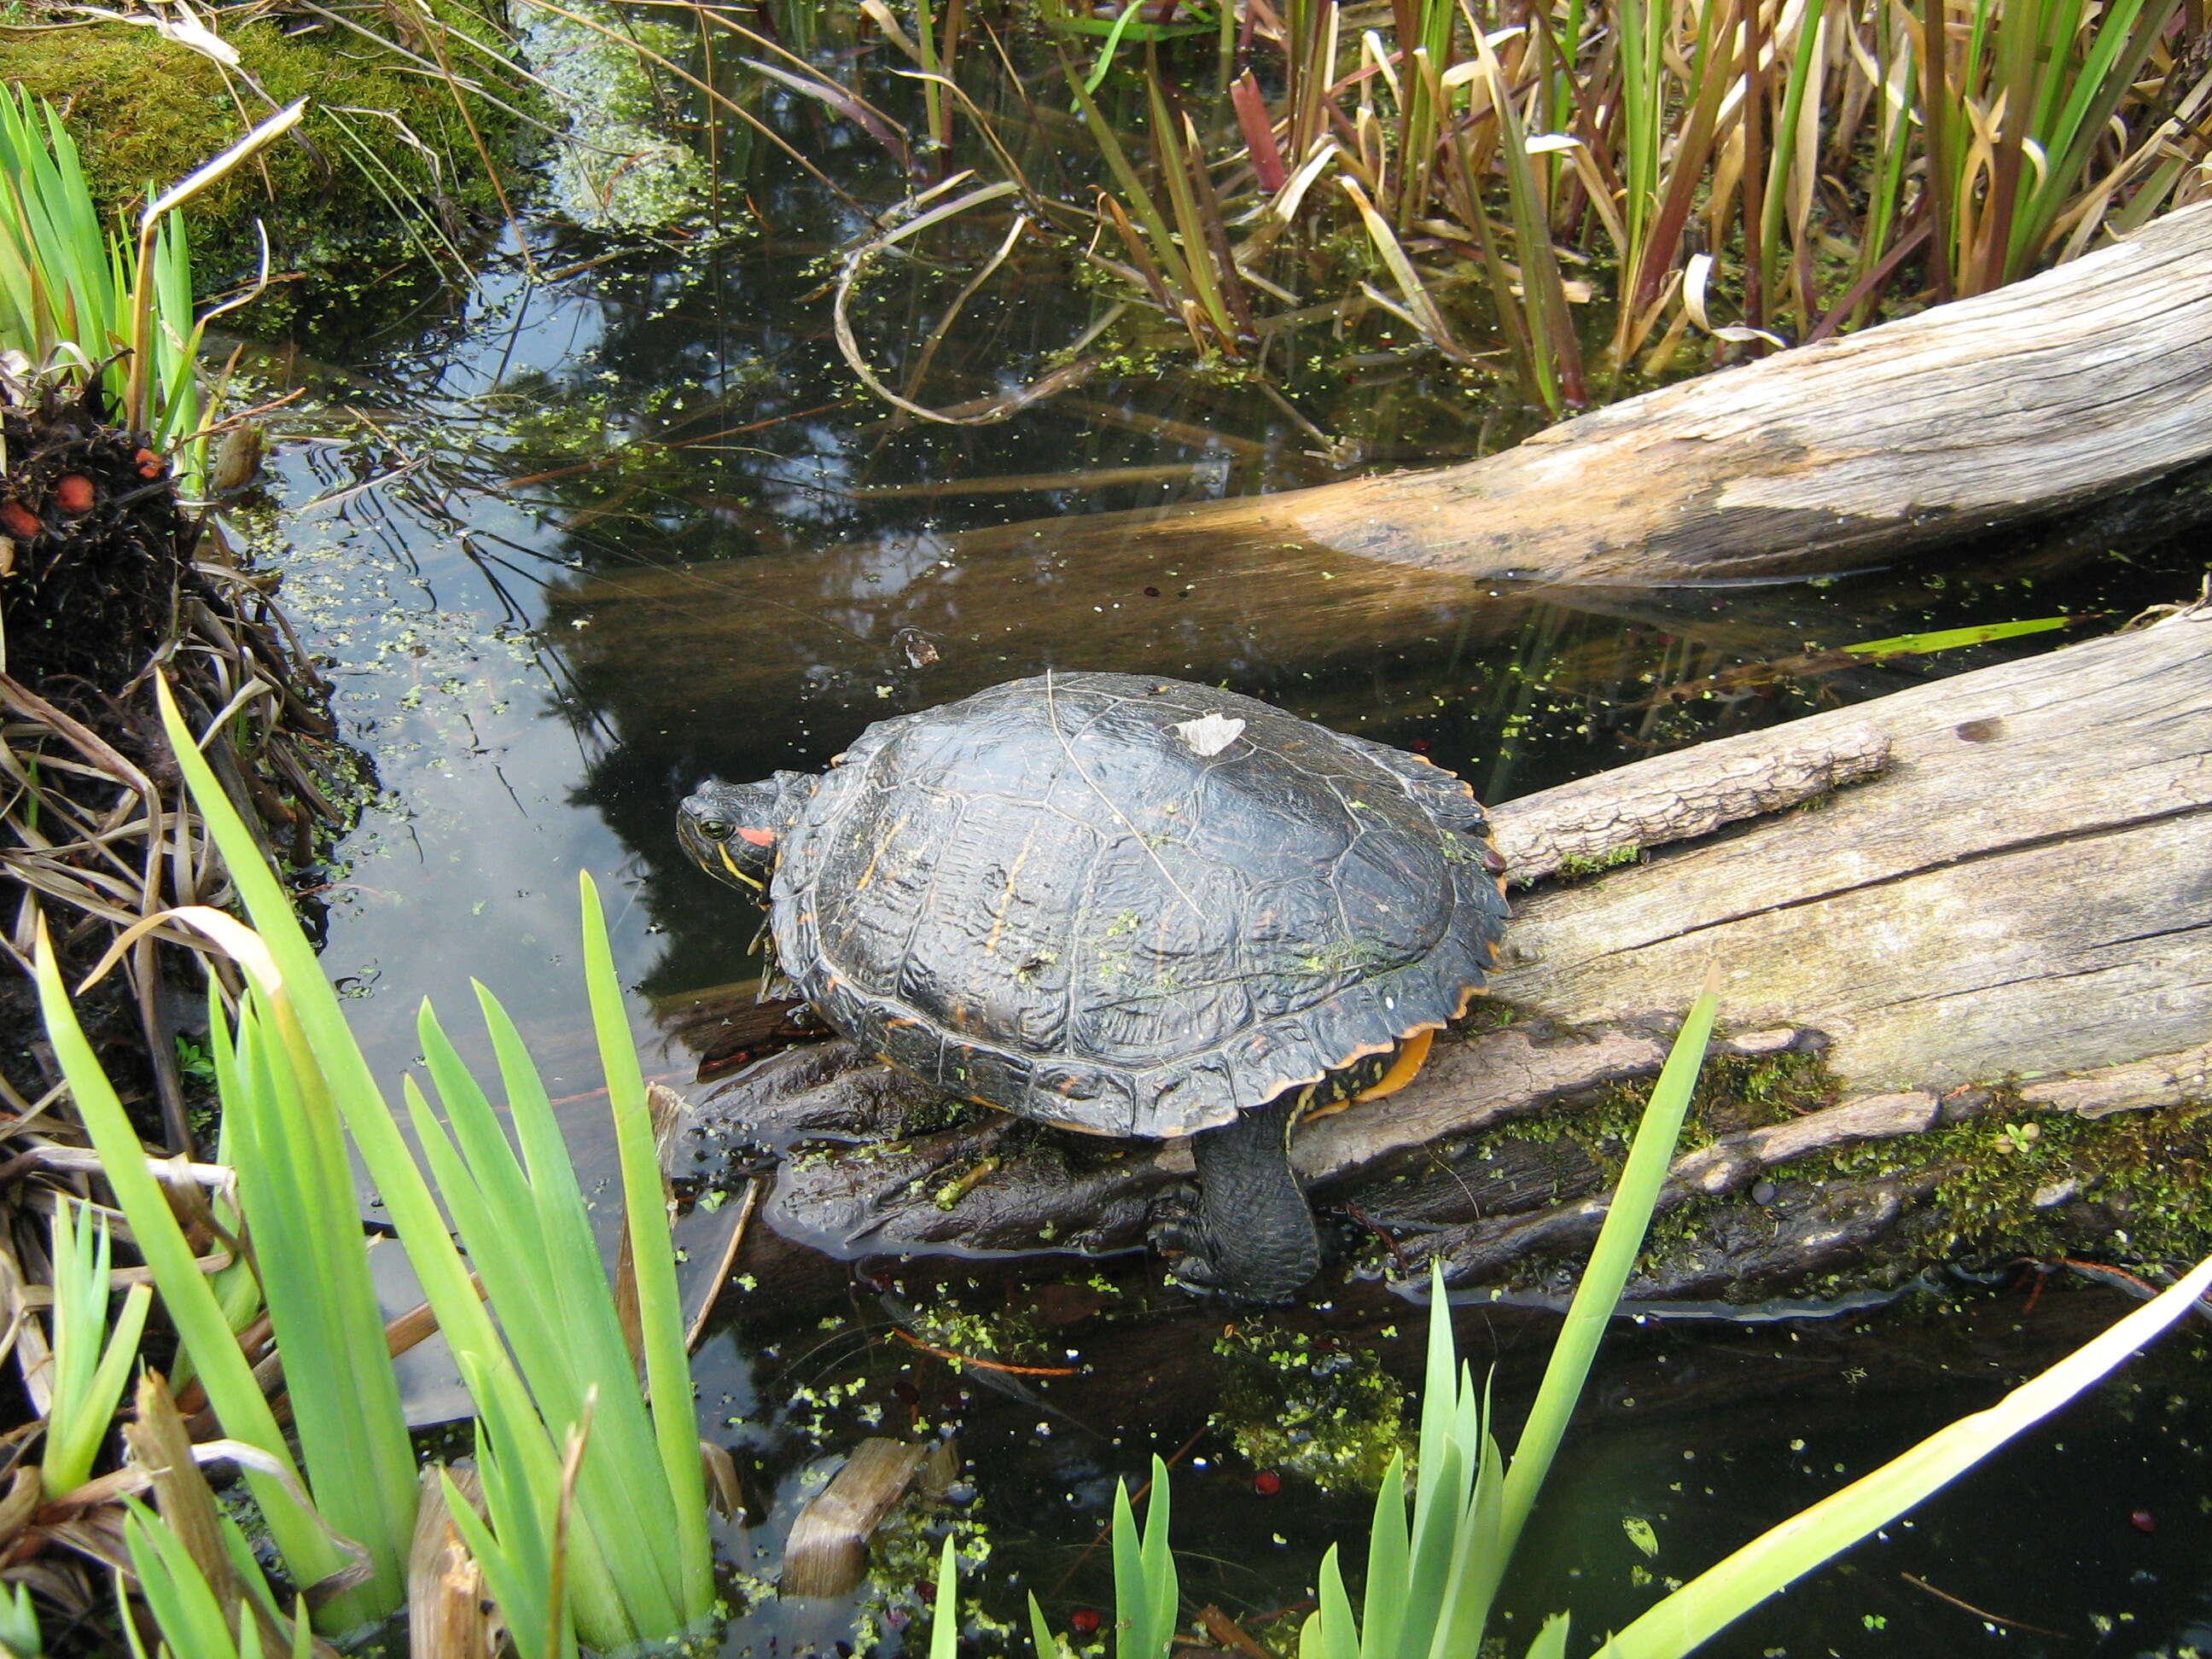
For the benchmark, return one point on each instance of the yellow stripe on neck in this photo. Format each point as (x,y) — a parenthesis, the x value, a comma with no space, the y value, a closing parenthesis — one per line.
(731,864)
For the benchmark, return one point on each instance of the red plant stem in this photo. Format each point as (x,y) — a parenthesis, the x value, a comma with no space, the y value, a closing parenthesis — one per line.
(1259,133)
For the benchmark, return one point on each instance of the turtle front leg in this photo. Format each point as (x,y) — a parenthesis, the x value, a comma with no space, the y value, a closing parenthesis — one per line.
(1252,1238)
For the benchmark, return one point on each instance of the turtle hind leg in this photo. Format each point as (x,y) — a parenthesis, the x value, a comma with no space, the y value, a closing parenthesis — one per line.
(1252,1238)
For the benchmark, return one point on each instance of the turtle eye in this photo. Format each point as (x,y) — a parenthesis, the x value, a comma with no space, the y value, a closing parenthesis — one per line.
(715,829)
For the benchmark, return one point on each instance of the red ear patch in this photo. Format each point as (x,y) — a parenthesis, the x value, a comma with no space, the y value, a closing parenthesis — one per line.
(757,837)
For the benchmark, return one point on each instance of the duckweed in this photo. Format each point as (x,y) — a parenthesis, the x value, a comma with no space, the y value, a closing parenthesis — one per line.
(1308,1404)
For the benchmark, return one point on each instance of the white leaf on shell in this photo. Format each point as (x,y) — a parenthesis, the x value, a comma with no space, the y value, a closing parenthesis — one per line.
(1209,734)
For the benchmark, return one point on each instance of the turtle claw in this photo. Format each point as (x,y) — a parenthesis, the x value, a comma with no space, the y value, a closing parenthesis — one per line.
(1194,1273)
(1176,1234)
(1192,1261)
(1178,1203)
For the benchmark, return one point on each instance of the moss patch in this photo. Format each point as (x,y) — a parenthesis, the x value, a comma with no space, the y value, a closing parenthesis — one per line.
(2047,1183)
(2015,1182)
(1310,1405)
(1735,1092)
(144,109)
(1576,865)
(936,1113)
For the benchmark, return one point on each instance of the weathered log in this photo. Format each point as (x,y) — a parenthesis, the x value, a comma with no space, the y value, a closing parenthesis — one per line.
(2007,405)
(1914,435)
(2016,915)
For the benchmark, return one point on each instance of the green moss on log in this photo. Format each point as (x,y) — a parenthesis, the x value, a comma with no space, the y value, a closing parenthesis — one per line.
(2015,1182)
(2022,1183)
(1735,1092)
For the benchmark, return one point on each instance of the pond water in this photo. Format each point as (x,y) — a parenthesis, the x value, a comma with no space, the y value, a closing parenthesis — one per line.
(597,535)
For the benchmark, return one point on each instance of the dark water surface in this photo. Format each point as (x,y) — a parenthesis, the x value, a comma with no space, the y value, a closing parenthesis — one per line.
(603,535)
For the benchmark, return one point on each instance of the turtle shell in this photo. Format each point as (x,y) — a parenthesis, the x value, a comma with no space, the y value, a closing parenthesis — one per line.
(1130,906)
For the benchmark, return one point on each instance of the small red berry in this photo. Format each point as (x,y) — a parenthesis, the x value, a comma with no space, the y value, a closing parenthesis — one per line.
(1084,1621)
(1267,1483)
(2143,1521)
(1419,745)
(19,521)
(74,493)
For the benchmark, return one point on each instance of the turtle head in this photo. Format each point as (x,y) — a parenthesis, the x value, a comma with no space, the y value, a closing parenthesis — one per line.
(732,830)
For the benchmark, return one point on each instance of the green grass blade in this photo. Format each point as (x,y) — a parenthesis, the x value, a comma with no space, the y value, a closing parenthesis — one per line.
(1339,1635)
(1173,152)
(652,1254)
(1132,1612)
(1042,1639)
(445,1279)
(1618,1243)
(1163,1597)
(1389,1555)
(186,1294)
(1113,44)
(176,1592)
(1710,1602)
(296,1183)
(89,1375)
(1440,1493)
(1554,359)
(1439,1397)
(1550,1642)
(944,1612)
(522,1483)
(1950,639)
(515,1553)
(1173,266)
(604,1578)
(624,1587)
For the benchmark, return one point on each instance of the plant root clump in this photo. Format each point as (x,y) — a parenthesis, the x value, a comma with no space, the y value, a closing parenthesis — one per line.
(98,549)
(99,588)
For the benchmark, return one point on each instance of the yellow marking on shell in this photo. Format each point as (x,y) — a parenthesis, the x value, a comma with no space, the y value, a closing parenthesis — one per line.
(1405,1068)
(1066,1123)
(882,847)
(1006,896)
(731,864)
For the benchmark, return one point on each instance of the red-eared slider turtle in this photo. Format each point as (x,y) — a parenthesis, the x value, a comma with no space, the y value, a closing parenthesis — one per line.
(1130,907)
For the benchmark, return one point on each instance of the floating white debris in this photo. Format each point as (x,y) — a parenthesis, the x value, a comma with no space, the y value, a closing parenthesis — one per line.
(1210,734)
